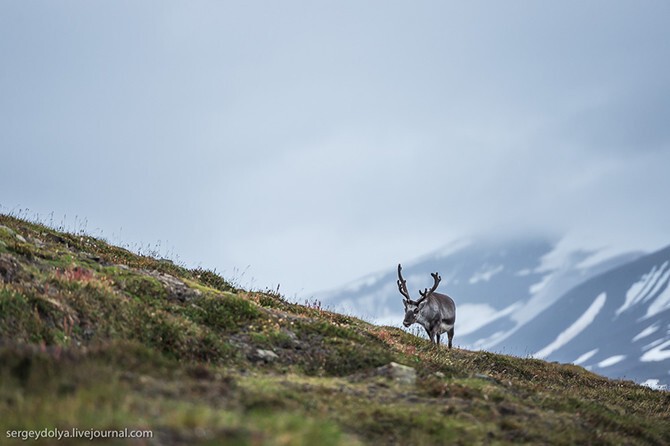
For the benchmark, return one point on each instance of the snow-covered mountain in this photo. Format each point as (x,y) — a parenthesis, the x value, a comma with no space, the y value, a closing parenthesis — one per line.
(530,297)
(616,323)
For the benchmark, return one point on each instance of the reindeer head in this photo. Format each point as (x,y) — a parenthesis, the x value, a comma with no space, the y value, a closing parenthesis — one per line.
(413,307)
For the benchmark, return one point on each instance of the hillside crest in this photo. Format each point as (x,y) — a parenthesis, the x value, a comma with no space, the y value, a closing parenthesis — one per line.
(93,336)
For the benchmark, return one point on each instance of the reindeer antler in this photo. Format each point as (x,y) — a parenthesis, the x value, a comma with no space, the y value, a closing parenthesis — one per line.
(425,293)
(402,284)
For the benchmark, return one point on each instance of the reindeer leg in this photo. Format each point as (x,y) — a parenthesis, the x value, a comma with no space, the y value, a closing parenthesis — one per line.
(450,333)
(430,335)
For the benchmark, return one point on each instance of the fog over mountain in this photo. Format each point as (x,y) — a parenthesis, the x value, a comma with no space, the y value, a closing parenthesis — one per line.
(307,143)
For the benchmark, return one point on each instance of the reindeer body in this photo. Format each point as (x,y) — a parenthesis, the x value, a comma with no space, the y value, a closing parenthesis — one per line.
(435,312)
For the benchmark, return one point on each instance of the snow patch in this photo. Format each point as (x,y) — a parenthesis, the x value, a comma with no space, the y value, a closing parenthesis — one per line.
(662,302)
(485,274)
(474,316)
(558,258)
(390,320)
(660,282)
(611,361)
(647,287)
(539,286)
(652,344)
(657,353)
(577,327)
(654,384)
(599,255)
(585,357)
(491,340)
(367,305)
(363,282)
(646,332)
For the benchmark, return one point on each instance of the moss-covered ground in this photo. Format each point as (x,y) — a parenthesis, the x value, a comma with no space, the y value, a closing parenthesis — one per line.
(93,336)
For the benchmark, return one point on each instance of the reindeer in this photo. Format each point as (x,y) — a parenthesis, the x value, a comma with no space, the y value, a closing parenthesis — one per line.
(433,311)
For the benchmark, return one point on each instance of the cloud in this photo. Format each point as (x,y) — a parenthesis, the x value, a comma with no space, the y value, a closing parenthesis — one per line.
(318,143)
(624,121)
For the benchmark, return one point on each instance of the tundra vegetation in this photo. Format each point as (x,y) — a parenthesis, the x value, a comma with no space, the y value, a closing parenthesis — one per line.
(93,336)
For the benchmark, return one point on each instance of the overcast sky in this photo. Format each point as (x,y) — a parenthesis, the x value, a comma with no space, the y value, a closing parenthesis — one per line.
(314,142)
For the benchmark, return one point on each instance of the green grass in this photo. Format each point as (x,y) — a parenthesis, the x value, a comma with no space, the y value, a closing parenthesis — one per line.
(92,336)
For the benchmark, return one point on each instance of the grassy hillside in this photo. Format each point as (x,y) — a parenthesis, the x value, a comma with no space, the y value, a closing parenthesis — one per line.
(95,337)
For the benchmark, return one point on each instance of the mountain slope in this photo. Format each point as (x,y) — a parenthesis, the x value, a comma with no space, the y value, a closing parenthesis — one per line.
(483,276)
(617,323)
(95,337)
(498,285)
(524,297)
